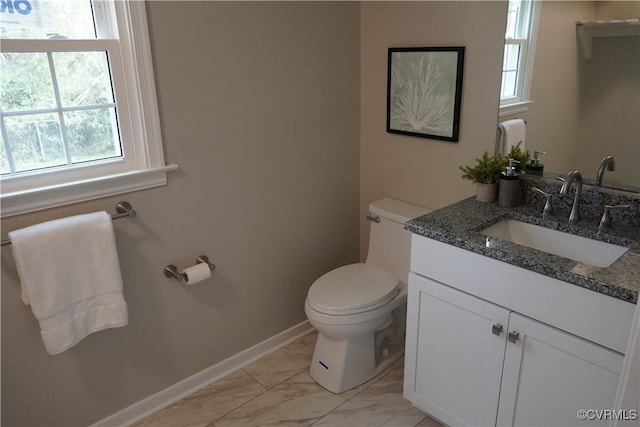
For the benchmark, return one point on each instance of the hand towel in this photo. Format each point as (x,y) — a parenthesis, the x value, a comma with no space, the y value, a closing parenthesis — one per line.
(70,275)
(513,131)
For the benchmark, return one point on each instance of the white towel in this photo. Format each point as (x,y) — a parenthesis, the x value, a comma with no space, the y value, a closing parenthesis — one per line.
(512,131)
(70,275)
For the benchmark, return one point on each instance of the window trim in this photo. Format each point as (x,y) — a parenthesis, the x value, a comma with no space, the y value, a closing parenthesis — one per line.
(144,120)
(520,103)
(79,171)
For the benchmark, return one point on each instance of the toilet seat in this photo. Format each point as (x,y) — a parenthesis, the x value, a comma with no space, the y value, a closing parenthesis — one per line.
(351,289)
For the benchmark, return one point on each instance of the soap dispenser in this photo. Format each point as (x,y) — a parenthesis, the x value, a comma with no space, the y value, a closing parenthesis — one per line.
(509,186)
(534,167)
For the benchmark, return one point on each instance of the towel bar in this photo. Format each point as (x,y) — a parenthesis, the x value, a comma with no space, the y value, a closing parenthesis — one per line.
(123,210)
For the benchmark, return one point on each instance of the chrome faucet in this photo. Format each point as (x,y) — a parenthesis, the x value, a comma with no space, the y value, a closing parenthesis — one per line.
(608,162)
(566,186)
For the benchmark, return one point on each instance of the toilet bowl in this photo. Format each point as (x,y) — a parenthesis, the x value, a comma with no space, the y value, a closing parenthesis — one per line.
(359,309)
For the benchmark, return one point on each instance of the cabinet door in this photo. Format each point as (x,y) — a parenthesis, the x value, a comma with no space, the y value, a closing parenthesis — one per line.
(549,375)
(454,353)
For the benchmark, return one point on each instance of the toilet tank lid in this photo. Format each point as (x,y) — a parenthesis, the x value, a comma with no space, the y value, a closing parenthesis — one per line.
(396,210)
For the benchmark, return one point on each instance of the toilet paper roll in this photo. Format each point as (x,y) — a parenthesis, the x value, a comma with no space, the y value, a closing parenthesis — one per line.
(196,273)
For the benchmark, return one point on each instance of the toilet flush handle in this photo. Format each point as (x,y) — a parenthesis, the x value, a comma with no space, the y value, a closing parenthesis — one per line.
(374,218)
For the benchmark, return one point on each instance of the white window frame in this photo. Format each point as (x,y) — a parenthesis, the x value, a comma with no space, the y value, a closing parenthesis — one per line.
(521,101)
(132,72)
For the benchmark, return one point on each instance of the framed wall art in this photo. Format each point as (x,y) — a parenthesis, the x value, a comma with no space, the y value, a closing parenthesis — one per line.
(424,91)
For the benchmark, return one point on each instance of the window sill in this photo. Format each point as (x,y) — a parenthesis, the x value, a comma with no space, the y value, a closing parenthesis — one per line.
(515,108)
(21,202)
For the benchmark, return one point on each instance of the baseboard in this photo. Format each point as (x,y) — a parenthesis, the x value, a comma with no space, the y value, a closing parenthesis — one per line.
(166,397)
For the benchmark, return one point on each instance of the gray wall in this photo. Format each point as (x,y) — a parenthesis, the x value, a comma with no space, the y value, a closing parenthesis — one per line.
(609,110)
(275,113)
(582,109)
(260,109)
(425,171)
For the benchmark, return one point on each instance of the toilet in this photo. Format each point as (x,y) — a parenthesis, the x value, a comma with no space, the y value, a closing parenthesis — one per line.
(359,309)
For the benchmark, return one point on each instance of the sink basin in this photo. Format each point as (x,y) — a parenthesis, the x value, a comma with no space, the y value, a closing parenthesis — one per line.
(581,249)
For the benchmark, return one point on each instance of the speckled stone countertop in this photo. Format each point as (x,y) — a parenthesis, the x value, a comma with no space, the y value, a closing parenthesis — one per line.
(460,224)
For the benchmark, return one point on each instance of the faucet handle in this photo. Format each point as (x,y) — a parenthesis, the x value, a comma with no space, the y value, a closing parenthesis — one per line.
(605,221)
(548,205)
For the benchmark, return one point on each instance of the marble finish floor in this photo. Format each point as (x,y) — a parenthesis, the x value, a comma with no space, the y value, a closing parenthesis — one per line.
(277,390)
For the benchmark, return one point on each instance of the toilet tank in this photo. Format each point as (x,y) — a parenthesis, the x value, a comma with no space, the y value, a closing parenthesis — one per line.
(389,242)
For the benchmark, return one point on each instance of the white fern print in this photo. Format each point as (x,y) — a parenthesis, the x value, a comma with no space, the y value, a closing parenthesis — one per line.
(418,103)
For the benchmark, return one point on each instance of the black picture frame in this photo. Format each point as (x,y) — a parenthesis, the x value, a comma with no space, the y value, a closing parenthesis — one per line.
(424,91)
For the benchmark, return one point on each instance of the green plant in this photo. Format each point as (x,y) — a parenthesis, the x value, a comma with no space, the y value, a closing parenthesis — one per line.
(487,169)
(520,155)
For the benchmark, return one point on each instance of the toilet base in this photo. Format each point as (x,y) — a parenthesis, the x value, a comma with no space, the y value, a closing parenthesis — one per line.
(342,364)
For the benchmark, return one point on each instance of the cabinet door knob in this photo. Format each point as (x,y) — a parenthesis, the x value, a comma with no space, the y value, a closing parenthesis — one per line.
(513,336)
(496,329)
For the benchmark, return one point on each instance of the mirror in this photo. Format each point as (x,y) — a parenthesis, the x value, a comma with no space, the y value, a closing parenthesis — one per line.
(586,102)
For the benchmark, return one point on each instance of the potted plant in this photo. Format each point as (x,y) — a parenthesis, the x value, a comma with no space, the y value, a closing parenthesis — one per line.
(520,155)
(485,173)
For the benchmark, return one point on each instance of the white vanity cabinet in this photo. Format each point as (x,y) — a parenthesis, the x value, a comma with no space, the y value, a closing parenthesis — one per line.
(484,349)
(453,361)
(549,375)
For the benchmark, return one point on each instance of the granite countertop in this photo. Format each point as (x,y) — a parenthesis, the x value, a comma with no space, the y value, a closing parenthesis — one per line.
(460,224)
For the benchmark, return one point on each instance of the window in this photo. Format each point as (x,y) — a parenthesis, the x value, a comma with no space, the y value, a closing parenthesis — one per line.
(78,111)
(519,50)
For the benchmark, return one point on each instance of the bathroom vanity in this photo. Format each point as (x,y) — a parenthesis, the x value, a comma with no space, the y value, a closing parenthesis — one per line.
(499,333)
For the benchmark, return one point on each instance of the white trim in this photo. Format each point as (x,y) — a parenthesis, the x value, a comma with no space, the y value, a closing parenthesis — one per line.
(20,202)
(58,45)
(134,34)
(515,108)
(532,39)
(104,20)
(525,66)
(179,390)
(143,165)
(521,76)
(629,384)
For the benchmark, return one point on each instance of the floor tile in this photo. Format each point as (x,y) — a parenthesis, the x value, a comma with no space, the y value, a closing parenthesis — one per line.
(399,362)
(299,401)
(428,422)
(278,390)
(380,404)
(208,404)
(285,362)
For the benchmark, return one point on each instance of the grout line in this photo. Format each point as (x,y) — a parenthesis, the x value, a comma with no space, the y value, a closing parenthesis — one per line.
(371,382)
(265,387)
(152,404)
(212,423)
(294,373)
(358,392)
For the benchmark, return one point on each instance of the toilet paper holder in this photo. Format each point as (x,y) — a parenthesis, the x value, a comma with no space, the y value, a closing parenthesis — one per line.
(171,271)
